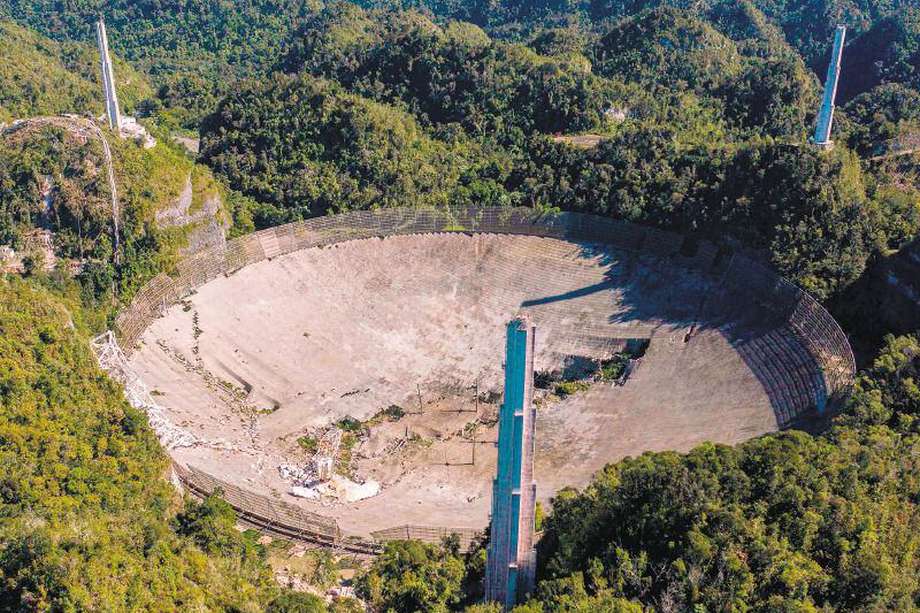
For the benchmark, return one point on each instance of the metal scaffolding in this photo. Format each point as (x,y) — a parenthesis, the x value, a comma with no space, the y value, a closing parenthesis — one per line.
(113,362)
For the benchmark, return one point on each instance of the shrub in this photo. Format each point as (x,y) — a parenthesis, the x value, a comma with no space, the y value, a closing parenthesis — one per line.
(349,424)
(567,388)
(296,602)
(308,443)
(613,369)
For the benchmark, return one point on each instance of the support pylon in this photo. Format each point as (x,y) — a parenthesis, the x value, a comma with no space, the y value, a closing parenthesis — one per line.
(822,136)
(512,558)
(113,113)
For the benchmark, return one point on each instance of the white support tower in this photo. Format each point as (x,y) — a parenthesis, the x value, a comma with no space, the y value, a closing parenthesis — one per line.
(512,560)
(108,78)
(822,136)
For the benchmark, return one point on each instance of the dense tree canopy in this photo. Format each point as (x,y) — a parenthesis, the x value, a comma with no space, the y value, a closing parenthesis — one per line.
(683,148)
(882,116)
(808,25)
(808,210)
(889,52)
(668,47)
(194,51)
(302,146)
(455,74)
(414,576)
(55,178)
(42,77)
(83,508)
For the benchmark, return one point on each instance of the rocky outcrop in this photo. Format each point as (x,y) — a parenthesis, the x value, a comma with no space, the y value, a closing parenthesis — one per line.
(900,277)
(203,223)
(36,252)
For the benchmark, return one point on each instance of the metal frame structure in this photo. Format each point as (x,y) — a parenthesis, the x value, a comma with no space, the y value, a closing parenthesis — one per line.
(113,362)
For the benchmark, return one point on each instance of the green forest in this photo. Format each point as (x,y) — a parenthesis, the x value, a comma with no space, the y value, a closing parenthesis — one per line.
(697,117)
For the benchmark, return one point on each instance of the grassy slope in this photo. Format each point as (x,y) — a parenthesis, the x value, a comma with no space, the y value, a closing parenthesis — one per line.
(41,77)
(85,516)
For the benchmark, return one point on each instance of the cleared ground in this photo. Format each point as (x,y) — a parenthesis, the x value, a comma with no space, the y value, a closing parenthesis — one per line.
(253,361)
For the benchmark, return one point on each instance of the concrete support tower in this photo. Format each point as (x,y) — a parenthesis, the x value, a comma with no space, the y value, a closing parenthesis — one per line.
(822,136)
(511,557)
(108,78)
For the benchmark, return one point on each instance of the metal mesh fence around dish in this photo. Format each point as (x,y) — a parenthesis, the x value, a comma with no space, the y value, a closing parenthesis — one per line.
(262,511)
(827,342)
(809,320)
(193,272)
(812,324)
(290,521)
(429,534)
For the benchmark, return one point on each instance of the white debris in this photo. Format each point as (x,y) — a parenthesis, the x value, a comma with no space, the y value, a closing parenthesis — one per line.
(130,128)
(343,591)
(310,493)
(113,361)
(353,492)
(298,475)
(306,485)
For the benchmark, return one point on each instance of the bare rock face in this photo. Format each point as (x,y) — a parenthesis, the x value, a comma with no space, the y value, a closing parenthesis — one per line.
(192,145)
(204,225)
(37,253)
(901,300)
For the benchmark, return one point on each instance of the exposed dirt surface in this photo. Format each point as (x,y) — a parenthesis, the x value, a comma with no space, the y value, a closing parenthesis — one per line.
(286,347)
